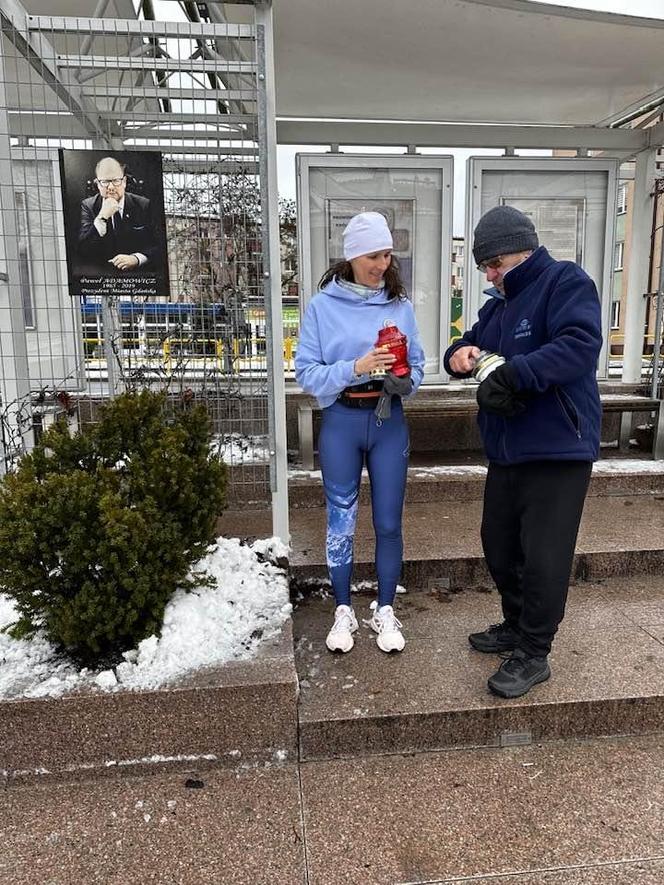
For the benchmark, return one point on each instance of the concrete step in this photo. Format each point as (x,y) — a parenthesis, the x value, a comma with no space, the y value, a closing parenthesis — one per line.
(583,812)
(429,482)
(607,665)
(243,711)
(619,535)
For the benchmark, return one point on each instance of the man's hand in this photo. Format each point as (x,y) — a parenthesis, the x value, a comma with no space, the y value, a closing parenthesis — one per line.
(462,360)
(124,262)
(498,394)
(377,358)
(108,208)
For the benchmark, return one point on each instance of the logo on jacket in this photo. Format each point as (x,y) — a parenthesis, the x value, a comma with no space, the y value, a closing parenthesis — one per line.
(523,329)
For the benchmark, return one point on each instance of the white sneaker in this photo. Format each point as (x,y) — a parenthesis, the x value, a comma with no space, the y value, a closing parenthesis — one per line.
(340,637)
(388,628)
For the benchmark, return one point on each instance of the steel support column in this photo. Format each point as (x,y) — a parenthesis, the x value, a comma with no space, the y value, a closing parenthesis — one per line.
(17,433)
(272,271)
(635,303)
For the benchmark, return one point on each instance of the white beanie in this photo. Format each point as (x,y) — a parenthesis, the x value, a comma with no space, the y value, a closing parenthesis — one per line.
(366,233)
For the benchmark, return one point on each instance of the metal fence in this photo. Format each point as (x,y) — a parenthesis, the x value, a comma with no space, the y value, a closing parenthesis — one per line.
(194,91)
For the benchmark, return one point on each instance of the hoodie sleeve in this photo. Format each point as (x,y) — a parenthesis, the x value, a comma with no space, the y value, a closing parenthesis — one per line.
(574,325)
(416,356)
(312,374)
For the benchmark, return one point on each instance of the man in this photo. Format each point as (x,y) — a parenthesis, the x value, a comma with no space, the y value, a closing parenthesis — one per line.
(539,417)
(116,227)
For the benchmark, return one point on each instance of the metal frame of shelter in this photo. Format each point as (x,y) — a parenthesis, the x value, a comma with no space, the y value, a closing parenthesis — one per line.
(201,93)
(121,87)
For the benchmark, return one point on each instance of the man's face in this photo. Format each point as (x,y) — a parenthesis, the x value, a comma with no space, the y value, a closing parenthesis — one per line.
(111,180)
(496,268)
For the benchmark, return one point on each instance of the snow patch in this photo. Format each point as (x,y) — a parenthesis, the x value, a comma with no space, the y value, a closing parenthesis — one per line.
(247,605)
(238,449)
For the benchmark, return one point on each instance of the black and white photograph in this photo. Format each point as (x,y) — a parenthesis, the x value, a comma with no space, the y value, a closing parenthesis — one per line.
(114,223)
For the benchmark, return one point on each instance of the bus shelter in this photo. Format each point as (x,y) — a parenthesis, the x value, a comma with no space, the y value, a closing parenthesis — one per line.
(213,88)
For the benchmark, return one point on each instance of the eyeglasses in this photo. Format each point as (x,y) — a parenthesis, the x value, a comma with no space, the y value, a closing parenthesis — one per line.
(107,182)
(493,263)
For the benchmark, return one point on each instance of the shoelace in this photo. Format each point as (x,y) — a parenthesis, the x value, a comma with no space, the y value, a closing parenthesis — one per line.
(342,621)
(512,662)
(387,622)
(495,628)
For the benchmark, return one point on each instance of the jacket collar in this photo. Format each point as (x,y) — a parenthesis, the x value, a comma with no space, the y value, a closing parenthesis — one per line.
(525,273)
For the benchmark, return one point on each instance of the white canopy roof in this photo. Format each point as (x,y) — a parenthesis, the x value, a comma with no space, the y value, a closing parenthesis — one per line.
(488,61)
(515,63)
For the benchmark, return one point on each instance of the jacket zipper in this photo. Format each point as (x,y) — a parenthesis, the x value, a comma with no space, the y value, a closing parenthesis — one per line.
(576,426)
(500,350)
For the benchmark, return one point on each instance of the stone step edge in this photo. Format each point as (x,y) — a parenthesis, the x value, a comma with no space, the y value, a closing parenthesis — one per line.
(506,725)
(241,714)
(439,488)
(459,572)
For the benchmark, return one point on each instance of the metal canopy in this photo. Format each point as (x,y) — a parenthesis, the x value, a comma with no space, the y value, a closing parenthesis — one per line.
(479,61)
(544,76)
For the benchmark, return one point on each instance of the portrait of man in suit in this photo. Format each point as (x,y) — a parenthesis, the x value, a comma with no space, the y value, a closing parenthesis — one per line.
(116,226)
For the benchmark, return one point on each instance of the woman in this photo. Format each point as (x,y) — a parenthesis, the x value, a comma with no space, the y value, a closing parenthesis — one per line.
(335,361)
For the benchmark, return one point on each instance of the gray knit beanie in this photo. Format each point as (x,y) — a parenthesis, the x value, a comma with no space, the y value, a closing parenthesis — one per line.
(503,230)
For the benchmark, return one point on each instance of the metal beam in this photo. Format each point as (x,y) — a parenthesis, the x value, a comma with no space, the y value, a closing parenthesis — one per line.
(462,135)
(642,105)
(145,116)
(42,57)
(106,63)
(214,166)
(655,135)
(190,135)
(45,125)
(149,129)
(143,28)
(212,151)
(152,91)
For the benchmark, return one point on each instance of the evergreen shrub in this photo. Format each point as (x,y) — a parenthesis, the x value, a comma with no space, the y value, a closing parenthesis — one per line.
(99,527)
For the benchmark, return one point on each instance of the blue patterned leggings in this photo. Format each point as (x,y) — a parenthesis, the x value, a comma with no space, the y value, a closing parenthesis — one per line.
(347,437)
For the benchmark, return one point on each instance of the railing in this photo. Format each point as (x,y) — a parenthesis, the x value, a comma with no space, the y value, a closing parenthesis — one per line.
(230,354)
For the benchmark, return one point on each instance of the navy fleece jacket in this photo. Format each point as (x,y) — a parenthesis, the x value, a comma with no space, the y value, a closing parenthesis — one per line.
(548,326)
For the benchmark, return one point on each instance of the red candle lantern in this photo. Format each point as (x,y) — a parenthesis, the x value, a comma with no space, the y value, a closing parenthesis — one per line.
(397,343)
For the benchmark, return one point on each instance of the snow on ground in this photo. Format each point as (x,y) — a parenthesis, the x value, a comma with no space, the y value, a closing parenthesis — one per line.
(237,449)
(628,465)
(202,628)
(323,587)
(613,465)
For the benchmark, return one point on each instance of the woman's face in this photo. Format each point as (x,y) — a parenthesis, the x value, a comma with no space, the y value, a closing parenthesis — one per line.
(369,270)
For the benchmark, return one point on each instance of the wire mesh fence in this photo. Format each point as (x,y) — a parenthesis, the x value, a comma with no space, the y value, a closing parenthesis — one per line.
(123,90)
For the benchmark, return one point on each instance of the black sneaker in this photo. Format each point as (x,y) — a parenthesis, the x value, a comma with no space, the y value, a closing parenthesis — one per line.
(518,674)
(493,640)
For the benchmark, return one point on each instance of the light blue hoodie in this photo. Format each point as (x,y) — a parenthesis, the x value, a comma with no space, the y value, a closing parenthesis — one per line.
(339,327)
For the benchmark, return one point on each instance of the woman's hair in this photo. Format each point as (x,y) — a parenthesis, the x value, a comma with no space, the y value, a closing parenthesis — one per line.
(392,281)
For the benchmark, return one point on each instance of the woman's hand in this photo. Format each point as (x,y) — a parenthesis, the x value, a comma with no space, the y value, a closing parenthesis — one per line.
(377,358)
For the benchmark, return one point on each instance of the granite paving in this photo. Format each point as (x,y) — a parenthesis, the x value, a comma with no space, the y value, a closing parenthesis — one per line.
(187,828)
(607,664)
(571,812)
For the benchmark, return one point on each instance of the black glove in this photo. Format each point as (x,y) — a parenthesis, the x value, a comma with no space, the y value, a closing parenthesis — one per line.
(392,386)
(498,394)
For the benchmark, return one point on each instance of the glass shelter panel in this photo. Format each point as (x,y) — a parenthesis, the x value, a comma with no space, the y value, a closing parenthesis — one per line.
(572,204)
(414,195)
